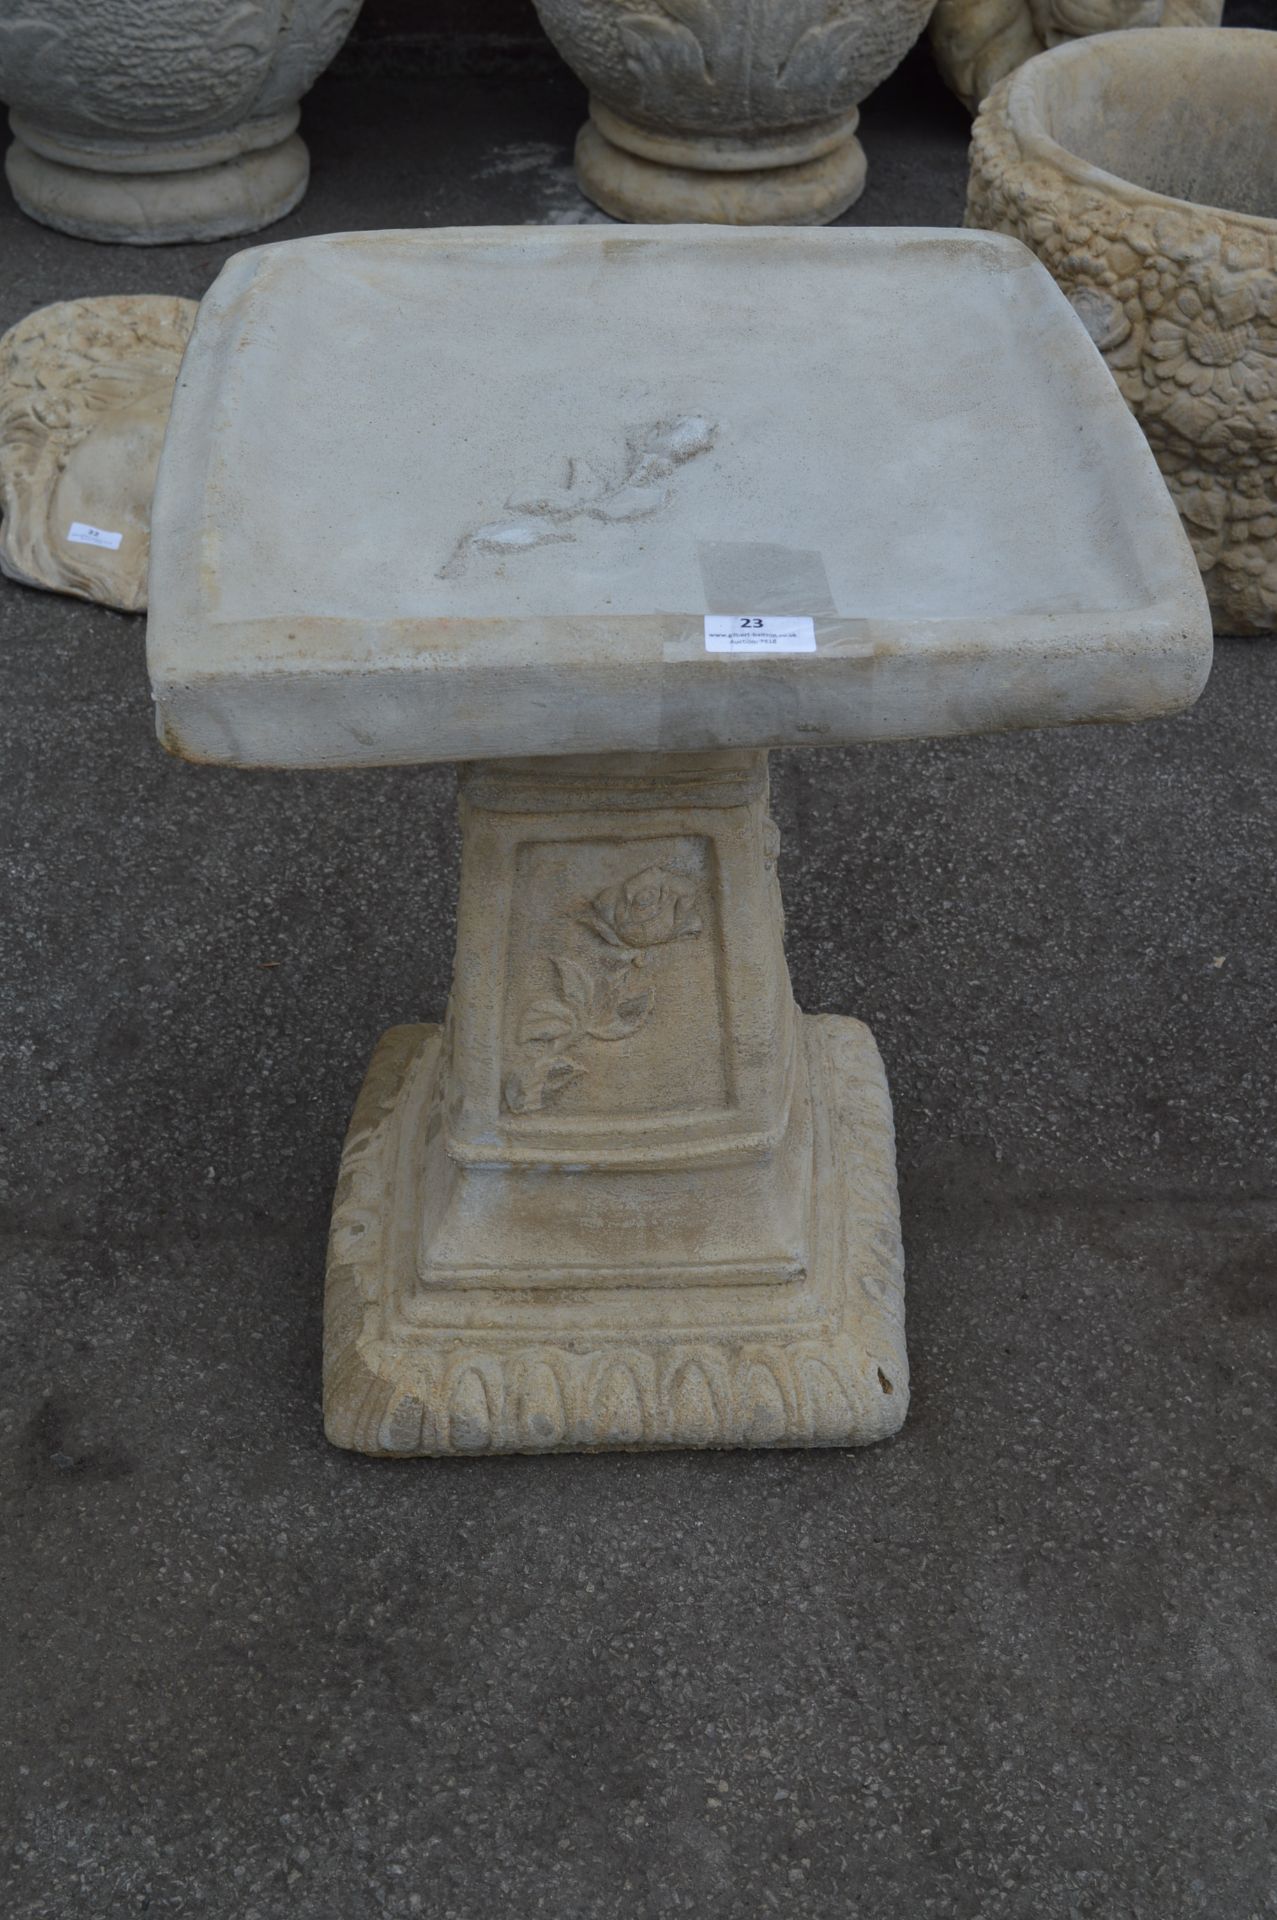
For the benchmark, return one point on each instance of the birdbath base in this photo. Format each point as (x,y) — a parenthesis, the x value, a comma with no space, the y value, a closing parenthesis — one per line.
(627,1196)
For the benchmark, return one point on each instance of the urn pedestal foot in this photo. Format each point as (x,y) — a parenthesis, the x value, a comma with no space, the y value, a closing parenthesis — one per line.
(628,1197)
(160,205)
(713,181)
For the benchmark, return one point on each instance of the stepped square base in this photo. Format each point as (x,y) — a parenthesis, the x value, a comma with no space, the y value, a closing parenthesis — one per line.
(701,1358)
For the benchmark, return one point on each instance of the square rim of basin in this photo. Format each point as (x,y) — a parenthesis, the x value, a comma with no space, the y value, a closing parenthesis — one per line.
(468,493)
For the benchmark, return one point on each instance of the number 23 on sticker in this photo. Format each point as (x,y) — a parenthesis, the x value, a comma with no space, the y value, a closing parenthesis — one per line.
(759,633)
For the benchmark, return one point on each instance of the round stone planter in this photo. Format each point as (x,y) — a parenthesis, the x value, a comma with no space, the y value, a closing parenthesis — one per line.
(158,120)
(742,112)
(1141,168)
(978,42)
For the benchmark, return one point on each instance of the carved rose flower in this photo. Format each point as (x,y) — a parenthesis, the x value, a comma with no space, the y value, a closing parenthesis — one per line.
(649,909)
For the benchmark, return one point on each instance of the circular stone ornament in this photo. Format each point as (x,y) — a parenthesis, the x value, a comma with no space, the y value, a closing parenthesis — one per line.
(1141,168)
(739,112)
(165,121)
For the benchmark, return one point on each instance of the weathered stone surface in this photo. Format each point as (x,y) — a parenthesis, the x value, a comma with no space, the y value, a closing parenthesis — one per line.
(978,42)
(1142,170)
(717,111)
(85,390)
(628,1196)
(569,445)
(157,120)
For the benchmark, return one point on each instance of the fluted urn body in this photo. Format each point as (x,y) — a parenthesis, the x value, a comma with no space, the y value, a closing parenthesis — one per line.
(161,120)
(737,111)
(1142,170)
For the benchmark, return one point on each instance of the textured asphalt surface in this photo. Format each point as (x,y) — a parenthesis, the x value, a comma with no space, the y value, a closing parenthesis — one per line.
(1015,1665)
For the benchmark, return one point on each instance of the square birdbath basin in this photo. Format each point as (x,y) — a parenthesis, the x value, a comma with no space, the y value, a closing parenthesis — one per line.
(604,516)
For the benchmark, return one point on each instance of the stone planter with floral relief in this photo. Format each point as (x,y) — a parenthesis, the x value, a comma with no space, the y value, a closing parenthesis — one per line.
(160,120)
(1141,168)
(737,111)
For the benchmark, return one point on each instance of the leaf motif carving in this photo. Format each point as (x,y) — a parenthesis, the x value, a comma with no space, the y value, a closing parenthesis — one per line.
(528,1090)
(626,1019)
(661,52)
(777,31)
(817,60)
(702,18)
(546,1020)
(559,1073)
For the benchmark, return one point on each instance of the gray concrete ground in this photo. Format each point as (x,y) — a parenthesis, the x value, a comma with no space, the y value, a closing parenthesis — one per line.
(1016,1665)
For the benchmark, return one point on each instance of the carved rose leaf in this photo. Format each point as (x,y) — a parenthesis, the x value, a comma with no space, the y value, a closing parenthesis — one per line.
(626,1019)
(558,1073)
(528,1091)
(546,1020)
(515,1093)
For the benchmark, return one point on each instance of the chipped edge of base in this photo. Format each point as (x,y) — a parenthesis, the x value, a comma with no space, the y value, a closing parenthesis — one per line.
(561,1395)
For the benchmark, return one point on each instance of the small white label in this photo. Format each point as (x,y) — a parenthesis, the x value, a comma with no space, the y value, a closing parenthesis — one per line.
(92,536)
(759,633)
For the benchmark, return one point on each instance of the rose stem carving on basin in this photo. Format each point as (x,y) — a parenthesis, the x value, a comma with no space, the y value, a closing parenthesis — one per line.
(637,489)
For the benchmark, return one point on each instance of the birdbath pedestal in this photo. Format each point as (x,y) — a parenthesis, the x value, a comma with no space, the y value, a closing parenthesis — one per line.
(605,516)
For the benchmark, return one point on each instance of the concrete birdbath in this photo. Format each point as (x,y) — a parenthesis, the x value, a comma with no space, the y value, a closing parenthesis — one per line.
(604,516)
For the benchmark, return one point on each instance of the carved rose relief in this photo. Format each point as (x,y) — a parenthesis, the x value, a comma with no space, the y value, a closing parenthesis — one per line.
(633,487)
(648,910)
(599,998)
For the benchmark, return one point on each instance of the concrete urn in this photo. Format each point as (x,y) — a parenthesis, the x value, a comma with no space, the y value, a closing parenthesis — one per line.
(160,120)
(737,111)
(1141,168)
